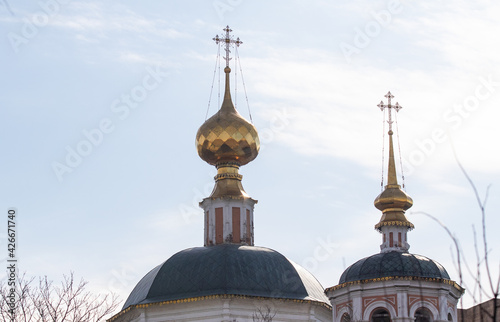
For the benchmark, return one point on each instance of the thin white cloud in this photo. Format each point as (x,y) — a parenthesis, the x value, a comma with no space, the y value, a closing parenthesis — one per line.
(462,33)
(92,16)
(334,104)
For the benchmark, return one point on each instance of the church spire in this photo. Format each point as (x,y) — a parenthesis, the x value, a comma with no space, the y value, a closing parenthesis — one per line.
(393,202)
(228,141)
(228,41)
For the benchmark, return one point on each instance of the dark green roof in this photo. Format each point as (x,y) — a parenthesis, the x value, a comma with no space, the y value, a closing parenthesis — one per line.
(227,269)
(393,264)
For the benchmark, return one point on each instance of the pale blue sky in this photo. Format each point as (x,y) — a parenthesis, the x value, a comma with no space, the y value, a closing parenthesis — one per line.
(314,73)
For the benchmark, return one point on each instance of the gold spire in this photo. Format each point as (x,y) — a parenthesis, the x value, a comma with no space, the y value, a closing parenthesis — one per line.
(393,202)
(227,140)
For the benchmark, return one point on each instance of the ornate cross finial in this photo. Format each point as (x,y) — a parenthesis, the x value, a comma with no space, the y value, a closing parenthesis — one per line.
(397,107)
(228,40)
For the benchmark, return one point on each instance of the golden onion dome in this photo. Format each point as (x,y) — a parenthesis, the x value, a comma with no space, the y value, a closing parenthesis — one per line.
(227,136)
(393,198)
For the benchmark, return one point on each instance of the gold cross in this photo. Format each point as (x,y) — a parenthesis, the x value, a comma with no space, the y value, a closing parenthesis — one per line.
(228,40)
(397,107)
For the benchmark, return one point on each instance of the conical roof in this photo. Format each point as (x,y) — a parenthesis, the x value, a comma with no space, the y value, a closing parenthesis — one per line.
(393,202)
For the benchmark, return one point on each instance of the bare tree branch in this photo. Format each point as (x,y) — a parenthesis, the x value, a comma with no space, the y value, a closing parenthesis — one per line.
(47,302)
(264,315)
(481,258)
(482,206)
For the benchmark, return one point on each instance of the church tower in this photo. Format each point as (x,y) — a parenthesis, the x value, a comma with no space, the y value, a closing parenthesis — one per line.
(393,202)
(229,278)
(394,285)
(228,141)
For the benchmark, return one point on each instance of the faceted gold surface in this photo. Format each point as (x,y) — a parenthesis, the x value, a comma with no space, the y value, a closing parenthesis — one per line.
(227,136)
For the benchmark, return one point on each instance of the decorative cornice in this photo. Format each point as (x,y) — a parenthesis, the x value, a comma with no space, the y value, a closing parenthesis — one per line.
(228,198)
(234,164)
(211,297)
(395,223)
(395,278)
(222,176)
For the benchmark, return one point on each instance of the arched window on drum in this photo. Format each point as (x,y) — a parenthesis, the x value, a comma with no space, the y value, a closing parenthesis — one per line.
(423,315)
(345,318)
(380,315)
